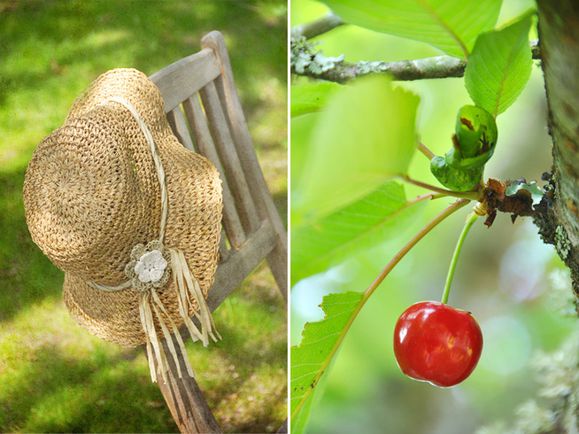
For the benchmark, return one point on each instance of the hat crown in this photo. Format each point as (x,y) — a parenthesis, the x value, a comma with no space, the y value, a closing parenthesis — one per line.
(129,84)
(91,185)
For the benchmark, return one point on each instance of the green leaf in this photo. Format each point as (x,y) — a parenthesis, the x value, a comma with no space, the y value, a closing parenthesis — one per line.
(361,225)
(364,136)
(310,97)
(450,25)
(301,131)
(311,359)
(500,66)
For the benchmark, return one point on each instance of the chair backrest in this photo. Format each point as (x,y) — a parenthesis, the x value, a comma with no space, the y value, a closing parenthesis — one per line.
(205,114)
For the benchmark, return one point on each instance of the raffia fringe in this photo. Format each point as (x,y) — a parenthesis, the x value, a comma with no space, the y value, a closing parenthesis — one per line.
(150,305)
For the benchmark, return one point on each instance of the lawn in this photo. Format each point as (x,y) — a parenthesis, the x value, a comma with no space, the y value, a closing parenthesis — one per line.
(54,376)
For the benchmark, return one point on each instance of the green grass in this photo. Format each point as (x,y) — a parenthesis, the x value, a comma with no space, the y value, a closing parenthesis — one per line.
(54,376)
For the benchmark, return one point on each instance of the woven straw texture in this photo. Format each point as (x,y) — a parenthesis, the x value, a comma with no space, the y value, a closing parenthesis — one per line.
(91,193)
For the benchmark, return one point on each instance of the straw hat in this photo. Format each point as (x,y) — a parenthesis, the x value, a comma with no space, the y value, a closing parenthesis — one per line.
(131,216)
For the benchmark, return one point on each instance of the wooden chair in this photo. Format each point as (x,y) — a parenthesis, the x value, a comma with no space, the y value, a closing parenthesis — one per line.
(213,124)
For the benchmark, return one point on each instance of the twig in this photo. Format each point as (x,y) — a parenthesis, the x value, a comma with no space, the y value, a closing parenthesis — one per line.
(403,70)
(309,62)
(317,27)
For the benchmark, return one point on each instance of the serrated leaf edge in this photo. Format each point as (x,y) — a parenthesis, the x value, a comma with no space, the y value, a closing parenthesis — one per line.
(324,365)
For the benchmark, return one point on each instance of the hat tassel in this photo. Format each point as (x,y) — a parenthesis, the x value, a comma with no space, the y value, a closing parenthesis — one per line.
(150,304)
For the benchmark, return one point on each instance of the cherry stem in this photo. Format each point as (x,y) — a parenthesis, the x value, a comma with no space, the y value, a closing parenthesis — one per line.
(471,218)
(404,250)
(471,195)
(426,151)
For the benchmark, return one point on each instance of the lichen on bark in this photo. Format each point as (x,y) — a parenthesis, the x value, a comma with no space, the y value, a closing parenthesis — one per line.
(558,219)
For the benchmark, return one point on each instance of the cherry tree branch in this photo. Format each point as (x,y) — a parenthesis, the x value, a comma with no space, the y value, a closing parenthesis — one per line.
(318,27)
(307,61)
(404,70)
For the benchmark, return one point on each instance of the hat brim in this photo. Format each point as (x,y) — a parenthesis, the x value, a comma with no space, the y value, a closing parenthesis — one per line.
(92,193)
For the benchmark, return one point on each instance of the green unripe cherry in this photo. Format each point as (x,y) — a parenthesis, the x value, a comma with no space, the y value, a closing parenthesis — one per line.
(462,167)
(453,178)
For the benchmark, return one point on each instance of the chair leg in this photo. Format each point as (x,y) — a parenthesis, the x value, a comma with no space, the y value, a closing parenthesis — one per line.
(185,400)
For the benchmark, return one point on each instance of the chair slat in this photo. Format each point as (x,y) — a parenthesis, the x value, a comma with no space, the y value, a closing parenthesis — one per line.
(238,127)
(185,77)
(265,206)
(223,250)
(179,126)
(228,156)
(198,121)
(240,263)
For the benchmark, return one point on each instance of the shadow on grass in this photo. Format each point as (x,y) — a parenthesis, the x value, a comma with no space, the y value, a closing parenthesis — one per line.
(245,354)
(154,33)
(52,391)
(248,390)
(26,275)
(56,393)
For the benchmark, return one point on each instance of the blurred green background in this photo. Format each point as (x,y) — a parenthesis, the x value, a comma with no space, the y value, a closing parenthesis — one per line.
(54,376)
(513,283)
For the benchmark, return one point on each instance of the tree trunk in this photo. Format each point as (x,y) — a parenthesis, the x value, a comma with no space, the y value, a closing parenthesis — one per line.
(558,221)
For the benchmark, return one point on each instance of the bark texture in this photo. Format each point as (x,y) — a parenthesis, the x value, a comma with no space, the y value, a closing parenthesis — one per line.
(558,220)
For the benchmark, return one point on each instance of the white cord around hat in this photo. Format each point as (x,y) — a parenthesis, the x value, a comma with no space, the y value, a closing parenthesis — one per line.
(148,271)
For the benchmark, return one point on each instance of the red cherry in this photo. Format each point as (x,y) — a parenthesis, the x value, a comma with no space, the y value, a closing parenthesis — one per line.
(437,343)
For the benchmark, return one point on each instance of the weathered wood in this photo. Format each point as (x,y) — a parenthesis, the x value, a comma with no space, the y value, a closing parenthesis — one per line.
(204,141)
(183,78)
(223,249)
(251,222)
(266,208)
(179,126)
(241,263)
(229,158)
